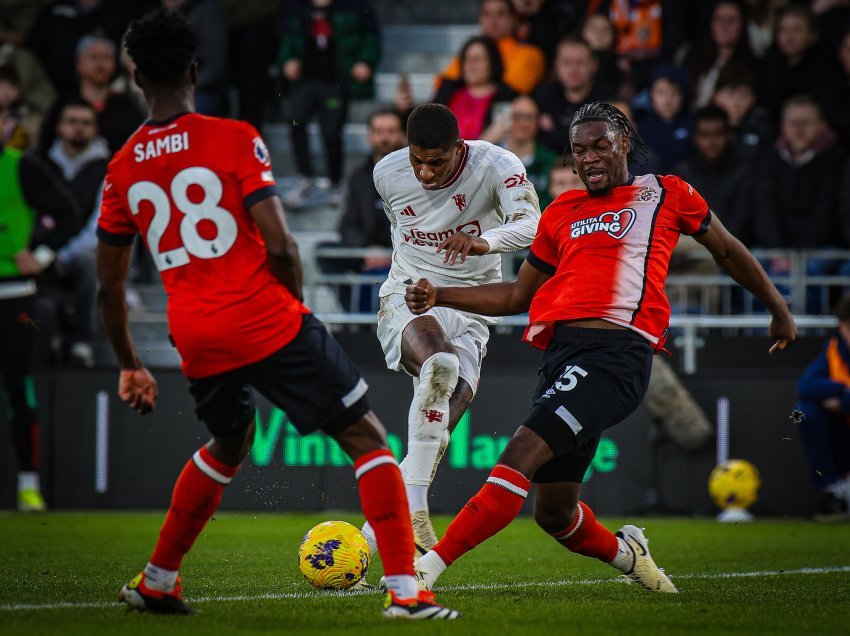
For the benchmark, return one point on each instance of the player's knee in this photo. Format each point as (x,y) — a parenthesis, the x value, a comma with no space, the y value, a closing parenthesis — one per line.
(552,519)
(439,374)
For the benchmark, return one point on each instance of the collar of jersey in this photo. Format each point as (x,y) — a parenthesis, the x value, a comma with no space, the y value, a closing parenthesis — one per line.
(460,167)
(163,122)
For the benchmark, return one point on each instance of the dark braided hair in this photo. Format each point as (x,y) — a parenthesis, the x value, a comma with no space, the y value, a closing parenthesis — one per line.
(162,46)
(602,111)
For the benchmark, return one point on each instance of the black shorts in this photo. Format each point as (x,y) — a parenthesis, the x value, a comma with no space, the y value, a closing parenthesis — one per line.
(590,380)
(311,379)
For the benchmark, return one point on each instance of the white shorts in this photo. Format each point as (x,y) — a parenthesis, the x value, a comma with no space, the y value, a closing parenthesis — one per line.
(467,333)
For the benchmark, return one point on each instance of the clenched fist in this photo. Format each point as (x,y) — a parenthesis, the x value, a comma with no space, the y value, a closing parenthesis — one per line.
(420,296)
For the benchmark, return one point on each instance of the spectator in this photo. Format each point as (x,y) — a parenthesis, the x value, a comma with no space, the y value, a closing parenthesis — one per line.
(648,32)
(726,50)
(598,31)
(541,23)
(117,114)
(799,63)
(824,400)
(752,125)
(209,19)
(666,125)
(363,222)
(717,172)
(13,133)
(36,91)
(329,51)
(524,64)
(35,221)
(796,190)
(477,96)
(55,35)
(575,84)
(79,158)
(521,139)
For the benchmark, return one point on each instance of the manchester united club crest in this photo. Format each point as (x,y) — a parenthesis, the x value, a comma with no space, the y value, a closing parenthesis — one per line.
(460,201)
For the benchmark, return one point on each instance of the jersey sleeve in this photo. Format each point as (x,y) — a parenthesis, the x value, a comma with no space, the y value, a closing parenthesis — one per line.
(543,254)
(115,224)
(690,207)
(518,200)
(253,166)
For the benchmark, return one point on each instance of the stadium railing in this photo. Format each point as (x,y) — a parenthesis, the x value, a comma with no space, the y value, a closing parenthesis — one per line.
(702,304)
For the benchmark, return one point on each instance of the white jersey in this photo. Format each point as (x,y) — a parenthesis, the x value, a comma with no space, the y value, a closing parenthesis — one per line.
(489,196)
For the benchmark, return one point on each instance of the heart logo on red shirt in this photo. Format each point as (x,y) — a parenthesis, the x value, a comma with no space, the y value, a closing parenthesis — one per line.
(625,218)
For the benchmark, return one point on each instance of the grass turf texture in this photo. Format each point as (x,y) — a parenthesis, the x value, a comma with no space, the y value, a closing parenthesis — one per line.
(518,582)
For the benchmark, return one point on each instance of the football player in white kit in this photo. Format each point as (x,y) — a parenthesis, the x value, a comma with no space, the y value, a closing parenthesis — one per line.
(454,206)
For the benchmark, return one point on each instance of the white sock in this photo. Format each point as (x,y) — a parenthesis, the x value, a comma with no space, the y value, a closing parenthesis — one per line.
(625,559)
(371,539)
(160,579)
(428,417)
(431,566)
(405,586)
(417,497)
(29,480)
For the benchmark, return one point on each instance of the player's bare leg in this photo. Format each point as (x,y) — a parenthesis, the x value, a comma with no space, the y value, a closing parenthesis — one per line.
(557,510)
(196,496)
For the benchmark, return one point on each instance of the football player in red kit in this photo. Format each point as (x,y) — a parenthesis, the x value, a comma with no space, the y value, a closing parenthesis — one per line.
(593,285)
(201,193)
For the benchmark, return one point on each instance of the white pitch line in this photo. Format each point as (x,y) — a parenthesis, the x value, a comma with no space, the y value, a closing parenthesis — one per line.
(450,588)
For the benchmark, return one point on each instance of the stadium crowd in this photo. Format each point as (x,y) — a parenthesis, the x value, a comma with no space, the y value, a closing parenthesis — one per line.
(747,100)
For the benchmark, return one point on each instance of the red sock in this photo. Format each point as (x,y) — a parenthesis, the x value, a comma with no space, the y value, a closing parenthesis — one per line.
(384,504)
(196,496)
(493,508)
(585,535)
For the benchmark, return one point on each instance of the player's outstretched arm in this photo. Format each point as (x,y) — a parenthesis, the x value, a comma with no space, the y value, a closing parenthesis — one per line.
(282,250)
(732,256)
(136,385)
(495,299)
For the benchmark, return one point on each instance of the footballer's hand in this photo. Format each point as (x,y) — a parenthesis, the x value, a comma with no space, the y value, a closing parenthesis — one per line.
(420,296)
(784,329)
(463,245)
(137,388)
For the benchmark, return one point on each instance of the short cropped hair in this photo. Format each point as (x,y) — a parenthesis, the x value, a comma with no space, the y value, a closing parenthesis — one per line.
(162,46)
(384,112)
(802,99)
(90,40)
(711,112)
(432,126)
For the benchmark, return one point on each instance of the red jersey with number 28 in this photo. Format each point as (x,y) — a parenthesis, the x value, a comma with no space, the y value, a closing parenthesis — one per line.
(186,185)
(608,255)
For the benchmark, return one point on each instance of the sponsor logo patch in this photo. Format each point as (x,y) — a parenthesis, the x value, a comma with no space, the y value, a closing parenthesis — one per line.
(614,224)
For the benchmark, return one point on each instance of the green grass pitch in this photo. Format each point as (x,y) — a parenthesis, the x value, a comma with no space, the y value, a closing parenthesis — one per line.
(60,574)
